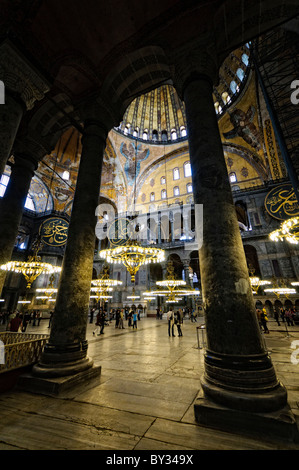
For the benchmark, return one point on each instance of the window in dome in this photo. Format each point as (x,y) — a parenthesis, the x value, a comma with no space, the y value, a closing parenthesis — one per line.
(233,177)
(226,98)
(164,136)
(245,59)
(3,183)
(152,197)
(155,135)
(176,174)
(176,191)
(163,194)
(145,134)
(136,132)
(173,134)
(233,86)
(66,175)
(187,169)
(163,180)
(29,204)
(183,131)
(189,188)
(127,129)
(240,74)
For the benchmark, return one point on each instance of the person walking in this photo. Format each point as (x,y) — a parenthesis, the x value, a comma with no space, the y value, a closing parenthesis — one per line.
(97,323)
(179,323)
(276,316)
(135,318)
(15,323)
(170,319)
(121,320)
(289,317)
(264,320)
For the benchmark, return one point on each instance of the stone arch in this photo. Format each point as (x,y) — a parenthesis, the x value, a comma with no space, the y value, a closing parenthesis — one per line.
(252,259)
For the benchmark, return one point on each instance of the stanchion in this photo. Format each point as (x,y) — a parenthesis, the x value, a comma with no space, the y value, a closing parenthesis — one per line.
(198,328)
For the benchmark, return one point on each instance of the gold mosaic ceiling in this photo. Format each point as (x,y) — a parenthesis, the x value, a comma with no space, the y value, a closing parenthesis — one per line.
(159,116)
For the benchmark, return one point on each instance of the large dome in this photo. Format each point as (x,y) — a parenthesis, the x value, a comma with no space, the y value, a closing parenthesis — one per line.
(159,116)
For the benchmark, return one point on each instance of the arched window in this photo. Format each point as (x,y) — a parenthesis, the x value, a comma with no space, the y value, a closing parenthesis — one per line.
(189,188)
(240,74)
(164,136)
(3,183)
(163,194)
(152,197)
(29,204)
(233,177)
(163,180)
(136,132)
(233,86)
(183,131)
(173,134)
(226,98)
(127,129)
(187,169)
(245,59)
(155,135)
(145,134)
(66,175)
(176,191)
(176,174)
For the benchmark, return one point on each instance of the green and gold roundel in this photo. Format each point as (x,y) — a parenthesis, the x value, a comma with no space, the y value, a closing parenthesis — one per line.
(118,231)
(53,231)
(281,202)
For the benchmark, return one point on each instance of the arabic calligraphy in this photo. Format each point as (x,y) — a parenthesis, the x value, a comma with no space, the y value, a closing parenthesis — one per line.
(54,231)
(281,202)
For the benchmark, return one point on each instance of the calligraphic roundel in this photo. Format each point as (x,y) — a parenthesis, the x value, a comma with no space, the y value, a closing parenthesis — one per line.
(54,231)
(281,202)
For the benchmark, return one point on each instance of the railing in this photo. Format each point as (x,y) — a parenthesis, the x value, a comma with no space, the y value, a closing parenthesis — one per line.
(20,349)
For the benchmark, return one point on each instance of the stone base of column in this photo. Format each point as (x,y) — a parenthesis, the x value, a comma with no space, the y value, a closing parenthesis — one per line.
(47,385)
(279,424)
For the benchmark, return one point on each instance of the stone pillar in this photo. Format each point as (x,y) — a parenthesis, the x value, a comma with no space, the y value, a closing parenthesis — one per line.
(12,205)
(238,370)
(24,85)
(66,352)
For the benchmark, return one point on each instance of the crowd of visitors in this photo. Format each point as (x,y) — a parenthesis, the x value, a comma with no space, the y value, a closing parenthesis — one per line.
(18,321)
(287,316)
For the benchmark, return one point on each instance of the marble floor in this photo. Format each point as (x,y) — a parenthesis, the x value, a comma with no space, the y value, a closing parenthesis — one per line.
(143,399)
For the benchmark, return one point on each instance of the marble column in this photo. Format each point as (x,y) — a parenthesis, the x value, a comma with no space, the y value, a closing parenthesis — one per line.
(24,85)
(238,370)
(66,352)
(12,206)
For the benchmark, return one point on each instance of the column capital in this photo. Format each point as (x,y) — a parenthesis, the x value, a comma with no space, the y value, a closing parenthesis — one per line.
(196,60)
(99,112)
(20,77)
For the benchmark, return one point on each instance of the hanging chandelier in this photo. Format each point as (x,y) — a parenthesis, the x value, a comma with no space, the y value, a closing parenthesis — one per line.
(103,285)
(132,255)
(280,287)
(171,287)
(47,291)
(289,231)
(32,268)
(133,296)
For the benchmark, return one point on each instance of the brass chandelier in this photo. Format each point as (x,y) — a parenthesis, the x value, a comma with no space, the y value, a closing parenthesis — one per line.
(132,255)
(171,287)
(289,231)
(32,268)
(103,285)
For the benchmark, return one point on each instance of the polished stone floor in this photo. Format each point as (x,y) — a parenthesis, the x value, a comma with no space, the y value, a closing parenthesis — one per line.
(143,399)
